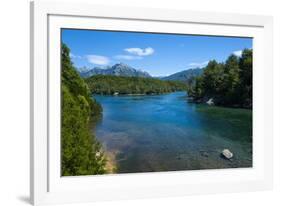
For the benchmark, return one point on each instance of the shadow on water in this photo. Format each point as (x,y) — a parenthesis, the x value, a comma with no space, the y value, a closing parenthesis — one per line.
(230,119)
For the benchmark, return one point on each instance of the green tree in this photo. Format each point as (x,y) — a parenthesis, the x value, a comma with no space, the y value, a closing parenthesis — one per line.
(211,79)
(246,77)
(229,93)
(81,152)
(229,83)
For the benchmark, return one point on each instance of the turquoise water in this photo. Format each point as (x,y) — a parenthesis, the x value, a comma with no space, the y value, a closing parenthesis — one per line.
(166,133)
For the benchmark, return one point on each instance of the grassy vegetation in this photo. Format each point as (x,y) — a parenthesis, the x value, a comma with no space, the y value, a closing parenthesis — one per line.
(81,152)
(108,85)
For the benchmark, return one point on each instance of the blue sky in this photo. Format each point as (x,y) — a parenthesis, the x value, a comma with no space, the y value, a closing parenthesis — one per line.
(157,54)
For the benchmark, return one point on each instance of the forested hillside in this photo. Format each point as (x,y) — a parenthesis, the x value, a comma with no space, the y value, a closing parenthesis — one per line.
(81,153)
(184,76)
(109,85)
(228,83)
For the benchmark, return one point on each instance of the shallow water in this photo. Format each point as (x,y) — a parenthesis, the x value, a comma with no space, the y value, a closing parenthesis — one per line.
(166,133)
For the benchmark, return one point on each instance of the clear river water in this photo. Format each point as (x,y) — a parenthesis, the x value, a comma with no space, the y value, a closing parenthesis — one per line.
(167,133)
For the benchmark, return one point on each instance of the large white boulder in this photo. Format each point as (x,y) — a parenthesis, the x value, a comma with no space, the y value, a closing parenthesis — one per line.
(227,154)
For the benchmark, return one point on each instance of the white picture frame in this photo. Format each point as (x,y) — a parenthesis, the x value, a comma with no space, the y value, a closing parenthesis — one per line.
(47,186)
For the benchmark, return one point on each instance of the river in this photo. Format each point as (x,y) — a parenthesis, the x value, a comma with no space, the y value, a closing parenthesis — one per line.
(167,133)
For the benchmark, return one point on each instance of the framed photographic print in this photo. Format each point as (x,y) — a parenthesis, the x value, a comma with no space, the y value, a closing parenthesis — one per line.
(126,105)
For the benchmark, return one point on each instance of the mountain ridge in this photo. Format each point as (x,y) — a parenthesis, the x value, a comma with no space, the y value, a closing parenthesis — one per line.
(122,69)
(119,69)
(184,75)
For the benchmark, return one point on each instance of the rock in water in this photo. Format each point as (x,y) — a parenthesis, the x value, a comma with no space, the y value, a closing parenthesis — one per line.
(210,102)
(204,153)
(227,154)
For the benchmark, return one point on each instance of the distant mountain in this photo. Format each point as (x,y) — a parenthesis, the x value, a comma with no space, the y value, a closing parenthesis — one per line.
(184,75)
(82,69)
(115,70)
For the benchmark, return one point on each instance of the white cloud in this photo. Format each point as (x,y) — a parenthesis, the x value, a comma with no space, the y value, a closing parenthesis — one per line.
(140,52)
(127,57)
(73,56)
(238,53)
(99,60)
(198,64)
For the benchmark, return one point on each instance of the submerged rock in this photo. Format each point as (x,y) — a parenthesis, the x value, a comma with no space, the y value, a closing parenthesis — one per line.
(204,153)
(227,154)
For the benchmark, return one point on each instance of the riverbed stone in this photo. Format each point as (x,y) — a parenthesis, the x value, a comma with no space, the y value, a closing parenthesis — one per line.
(204,153)
(227,154)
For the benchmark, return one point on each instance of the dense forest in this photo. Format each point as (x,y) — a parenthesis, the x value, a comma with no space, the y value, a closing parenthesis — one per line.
(81,153)
(227,84)
(109,85)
